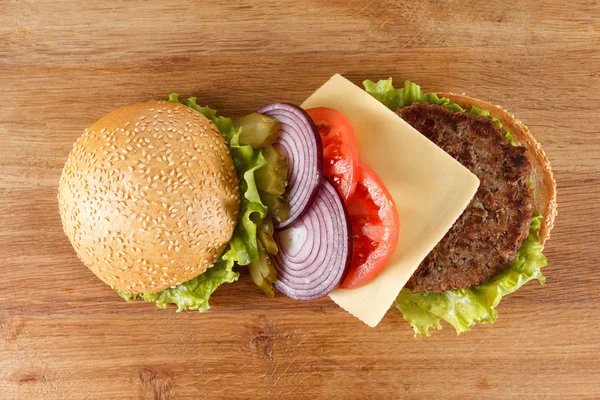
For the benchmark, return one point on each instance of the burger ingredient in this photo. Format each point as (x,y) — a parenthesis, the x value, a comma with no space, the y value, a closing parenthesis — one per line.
(485,239)
(375,226)
(394,99)
(265,231)
(462,308)
(272,177)
(258,130)
(192,294)
(315,252)
(300,142)
(130,209)
(263,273)
(265,265)
(340,153)
(278,207)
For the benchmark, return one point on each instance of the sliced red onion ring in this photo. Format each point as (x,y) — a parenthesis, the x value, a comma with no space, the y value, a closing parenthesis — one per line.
(300,142)
(315,253)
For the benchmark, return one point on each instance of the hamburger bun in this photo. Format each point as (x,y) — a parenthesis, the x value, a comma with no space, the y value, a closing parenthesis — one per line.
(149,196)
(544,185)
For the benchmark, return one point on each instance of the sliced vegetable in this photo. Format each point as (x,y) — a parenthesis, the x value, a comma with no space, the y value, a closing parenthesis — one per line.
(316,251)
(300,142)
(258,130)
(265,231)
(263,273)
(272,178)
(375,226)
(277,205)
(340,154)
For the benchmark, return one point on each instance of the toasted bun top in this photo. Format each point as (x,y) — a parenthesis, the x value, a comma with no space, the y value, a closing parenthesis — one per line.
(544,185)
(149,196)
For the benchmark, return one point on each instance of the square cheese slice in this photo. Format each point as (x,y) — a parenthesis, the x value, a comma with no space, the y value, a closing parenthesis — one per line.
(429,187)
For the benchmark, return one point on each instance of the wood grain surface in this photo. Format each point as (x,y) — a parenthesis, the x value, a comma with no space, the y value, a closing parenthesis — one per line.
(65,335)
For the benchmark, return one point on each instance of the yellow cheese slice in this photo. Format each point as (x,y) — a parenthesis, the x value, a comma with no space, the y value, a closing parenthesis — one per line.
(429,187)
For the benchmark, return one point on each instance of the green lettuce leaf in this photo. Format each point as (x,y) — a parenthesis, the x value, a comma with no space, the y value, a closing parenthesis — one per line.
(385,92)
(394,99)
(462,308)
(243,246)
(193,294)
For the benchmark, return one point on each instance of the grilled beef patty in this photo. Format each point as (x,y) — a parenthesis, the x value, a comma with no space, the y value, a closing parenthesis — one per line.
(487,236)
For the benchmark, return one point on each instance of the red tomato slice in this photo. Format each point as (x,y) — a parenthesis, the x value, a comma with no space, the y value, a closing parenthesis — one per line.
(340,155)
(375,226)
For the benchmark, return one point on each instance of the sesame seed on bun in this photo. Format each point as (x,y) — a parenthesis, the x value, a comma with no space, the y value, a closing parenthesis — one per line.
(149,196)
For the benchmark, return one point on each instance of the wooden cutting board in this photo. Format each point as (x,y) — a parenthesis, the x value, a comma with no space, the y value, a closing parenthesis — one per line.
(65,335)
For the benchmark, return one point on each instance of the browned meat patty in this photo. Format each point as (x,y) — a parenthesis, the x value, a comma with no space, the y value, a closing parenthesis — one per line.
(486,237)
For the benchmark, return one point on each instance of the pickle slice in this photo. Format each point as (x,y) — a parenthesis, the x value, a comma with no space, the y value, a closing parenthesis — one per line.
(258,130)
